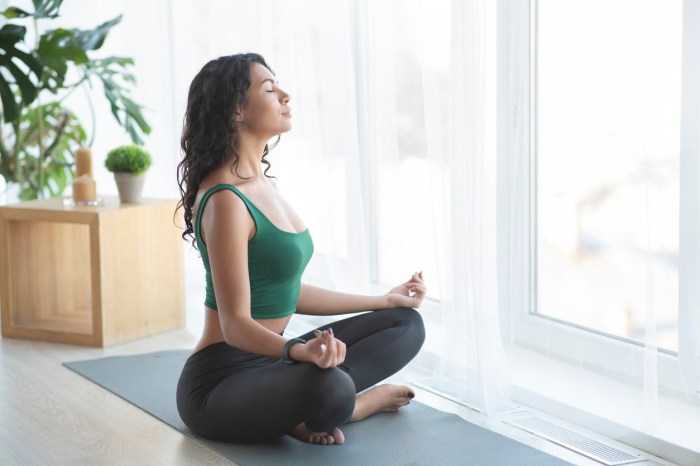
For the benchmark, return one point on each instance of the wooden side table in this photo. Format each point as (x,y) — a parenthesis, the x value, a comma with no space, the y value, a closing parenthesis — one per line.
(90,275)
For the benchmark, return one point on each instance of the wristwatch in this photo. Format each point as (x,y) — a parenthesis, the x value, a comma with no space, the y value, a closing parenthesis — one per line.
(285,350)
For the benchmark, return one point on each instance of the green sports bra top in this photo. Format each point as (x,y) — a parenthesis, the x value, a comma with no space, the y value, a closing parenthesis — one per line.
(276,261)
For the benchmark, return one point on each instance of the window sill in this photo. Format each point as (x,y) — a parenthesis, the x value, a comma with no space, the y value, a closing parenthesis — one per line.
(607,406)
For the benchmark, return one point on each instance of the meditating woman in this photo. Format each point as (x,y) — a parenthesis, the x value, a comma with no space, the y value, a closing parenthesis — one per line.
(245,381)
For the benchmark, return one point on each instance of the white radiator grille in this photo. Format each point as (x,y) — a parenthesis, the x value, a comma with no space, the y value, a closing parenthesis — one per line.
(598,451)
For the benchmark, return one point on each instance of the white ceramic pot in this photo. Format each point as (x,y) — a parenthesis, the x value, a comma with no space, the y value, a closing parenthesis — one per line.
(130,187)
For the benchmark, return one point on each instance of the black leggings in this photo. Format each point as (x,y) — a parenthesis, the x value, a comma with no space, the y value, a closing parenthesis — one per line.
(227,394)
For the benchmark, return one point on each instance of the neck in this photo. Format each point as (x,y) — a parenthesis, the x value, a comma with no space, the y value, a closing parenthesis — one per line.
(250,152)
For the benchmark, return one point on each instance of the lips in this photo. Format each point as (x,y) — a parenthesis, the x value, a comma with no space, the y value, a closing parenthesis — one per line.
(287,112)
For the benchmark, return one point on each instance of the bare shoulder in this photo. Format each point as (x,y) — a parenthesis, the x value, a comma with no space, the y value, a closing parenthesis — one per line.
(225,215)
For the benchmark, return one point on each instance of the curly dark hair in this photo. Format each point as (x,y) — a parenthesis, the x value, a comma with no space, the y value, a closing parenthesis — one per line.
(208,132)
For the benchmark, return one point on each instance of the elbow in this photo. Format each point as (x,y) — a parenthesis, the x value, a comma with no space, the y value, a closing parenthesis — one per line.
(231,337)
(234,331)
(231,340)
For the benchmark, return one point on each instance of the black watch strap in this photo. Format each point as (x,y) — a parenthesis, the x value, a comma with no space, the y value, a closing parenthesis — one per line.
(285,350)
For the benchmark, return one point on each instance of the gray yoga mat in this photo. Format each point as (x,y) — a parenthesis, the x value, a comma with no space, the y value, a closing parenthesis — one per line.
(416,435)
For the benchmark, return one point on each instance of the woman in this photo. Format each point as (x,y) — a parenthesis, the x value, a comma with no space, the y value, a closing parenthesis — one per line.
(245,382)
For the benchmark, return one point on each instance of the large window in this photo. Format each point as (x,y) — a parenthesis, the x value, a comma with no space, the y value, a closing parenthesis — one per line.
(606,132)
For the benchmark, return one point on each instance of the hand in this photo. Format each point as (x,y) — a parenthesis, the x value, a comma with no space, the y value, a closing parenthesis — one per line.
(324,350)
(408,294)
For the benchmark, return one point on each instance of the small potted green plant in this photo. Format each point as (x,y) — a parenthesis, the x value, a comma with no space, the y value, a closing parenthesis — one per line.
(129,164)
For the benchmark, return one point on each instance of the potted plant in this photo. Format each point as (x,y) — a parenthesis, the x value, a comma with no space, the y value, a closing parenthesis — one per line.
(129,164)
(39,135)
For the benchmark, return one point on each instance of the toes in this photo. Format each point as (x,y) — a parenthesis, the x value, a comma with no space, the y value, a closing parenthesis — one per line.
(338,437)
(321,439)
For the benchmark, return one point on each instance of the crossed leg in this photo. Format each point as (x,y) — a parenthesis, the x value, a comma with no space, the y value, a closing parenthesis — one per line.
(379,344)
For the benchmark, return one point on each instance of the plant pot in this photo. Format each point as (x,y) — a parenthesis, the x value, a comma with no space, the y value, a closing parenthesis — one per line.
(130,187)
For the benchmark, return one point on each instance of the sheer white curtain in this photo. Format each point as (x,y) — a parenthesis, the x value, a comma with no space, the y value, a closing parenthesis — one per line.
(463,161)
(445,180)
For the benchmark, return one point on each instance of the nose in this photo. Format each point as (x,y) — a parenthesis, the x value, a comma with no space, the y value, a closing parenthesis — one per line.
(285,98)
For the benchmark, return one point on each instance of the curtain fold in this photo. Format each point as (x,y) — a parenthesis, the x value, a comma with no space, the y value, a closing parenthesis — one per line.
(463,159)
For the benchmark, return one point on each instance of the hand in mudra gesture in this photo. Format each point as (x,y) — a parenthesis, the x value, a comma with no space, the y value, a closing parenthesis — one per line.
(324,350)
(409,294)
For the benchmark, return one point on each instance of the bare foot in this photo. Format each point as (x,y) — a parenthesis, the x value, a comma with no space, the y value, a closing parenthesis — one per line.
(305,434)
(382,399)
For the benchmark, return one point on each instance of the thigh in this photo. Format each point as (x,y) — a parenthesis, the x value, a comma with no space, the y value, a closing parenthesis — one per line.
(379,343)
(353,329)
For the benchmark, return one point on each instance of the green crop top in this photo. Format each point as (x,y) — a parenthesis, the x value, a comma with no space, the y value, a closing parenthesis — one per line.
(276,261)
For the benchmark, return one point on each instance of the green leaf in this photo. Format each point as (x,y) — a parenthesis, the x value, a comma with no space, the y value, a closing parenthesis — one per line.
(10,34)
(134,111)
(14,12)
(93,39)
(61,45)
(46,8)
(30,61)
(28,90)
(125,110)
(56,49)
(9,106)
(132,132)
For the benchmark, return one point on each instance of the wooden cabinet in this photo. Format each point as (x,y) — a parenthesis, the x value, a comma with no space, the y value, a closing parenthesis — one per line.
(90,275)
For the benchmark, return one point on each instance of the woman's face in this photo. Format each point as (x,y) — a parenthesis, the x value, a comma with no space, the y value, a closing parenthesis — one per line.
(267,111)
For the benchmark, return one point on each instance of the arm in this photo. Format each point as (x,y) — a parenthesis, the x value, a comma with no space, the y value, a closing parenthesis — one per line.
(226,225)
(319,301)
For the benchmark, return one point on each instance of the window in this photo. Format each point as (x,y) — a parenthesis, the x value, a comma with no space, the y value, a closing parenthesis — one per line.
(595,128)
(607,151)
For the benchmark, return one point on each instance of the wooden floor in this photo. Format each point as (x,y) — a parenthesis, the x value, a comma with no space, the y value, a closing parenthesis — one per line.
(50,415)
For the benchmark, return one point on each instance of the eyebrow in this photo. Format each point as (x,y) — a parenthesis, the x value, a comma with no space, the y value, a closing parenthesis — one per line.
(268,79)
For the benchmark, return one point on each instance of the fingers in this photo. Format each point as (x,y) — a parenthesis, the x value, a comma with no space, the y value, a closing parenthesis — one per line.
(339,348)
(332,351)
(416,285)
(416,279)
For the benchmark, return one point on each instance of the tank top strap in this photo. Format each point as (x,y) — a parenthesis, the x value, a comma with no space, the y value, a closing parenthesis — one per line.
(215,189)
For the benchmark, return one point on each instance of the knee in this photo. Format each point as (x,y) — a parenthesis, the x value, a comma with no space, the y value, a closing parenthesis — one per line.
(414,322)
(331,386)
(332,394)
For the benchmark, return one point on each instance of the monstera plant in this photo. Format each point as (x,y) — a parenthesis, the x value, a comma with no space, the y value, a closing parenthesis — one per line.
(38,134)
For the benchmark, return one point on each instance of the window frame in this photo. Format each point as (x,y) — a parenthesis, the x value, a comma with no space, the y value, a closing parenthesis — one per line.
(615,356)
